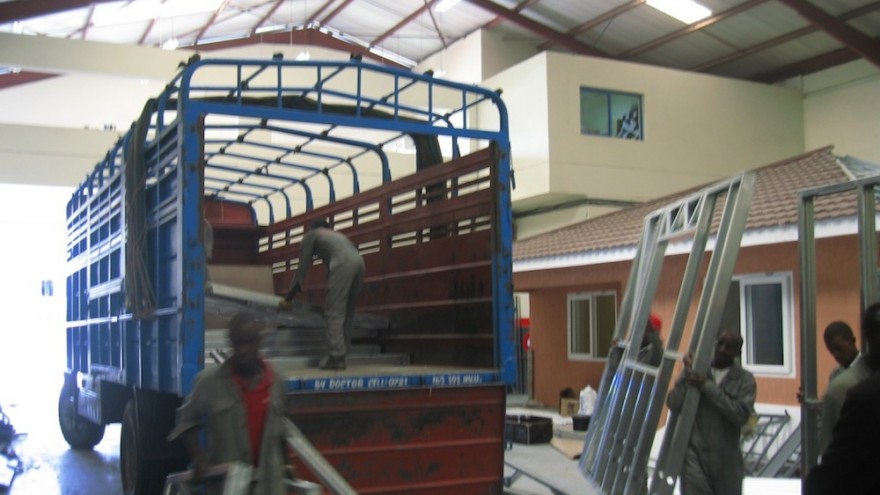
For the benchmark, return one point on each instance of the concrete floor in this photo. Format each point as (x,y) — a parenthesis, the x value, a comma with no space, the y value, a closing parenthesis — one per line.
(50,467)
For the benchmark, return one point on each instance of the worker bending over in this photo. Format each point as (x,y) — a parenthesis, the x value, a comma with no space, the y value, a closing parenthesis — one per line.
(344,269)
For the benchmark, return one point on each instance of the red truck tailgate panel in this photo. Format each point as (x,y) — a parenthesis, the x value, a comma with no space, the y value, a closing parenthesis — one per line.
(419,441)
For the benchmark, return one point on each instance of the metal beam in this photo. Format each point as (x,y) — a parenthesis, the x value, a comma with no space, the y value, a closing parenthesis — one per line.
(314,17)
(18,10)
(539,29)
(266,16)
(516,8)
(691,28)
(312,37)
(808,66)
(854,39)
(607,16)
(403,22)
(147,31)
(812,28)
(13,79)
(211,21)
(88,24)
(336,11)
(437,28)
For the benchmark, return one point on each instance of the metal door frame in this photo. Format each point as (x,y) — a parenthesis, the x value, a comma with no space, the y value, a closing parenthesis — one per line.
(866,197)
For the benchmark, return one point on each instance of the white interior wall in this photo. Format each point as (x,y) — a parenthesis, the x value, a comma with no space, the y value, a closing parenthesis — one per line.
(478,56)
(500,52)
(697,129)
(842,108)
(461,62)
(50,156)
(524,91)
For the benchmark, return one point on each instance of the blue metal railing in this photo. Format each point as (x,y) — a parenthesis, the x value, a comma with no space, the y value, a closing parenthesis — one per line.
(232,140)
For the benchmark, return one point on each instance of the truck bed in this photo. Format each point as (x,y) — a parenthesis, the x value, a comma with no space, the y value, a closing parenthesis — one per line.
(368,367)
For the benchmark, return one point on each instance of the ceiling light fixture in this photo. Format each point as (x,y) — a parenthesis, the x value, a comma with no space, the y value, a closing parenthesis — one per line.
(686,11)
(272,28)
(445,5)
(171,44)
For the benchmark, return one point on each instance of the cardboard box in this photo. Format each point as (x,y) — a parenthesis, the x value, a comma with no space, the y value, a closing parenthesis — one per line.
(569,407)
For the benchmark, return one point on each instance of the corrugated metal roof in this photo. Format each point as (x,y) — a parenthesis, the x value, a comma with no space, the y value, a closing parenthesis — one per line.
(412,29)
(774,204)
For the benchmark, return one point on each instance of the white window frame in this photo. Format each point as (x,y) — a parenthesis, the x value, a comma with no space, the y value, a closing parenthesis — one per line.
(784,279)
(594,338)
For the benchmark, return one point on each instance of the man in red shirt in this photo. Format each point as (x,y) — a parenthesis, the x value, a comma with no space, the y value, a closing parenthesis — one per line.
(239,406)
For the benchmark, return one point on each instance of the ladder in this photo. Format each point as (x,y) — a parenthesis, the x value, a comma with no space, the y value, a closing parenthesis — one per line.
(631,394)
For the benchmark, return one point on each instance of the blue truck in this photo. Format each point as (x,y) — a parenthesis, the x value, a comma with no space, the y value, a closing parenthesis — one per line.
(249,153)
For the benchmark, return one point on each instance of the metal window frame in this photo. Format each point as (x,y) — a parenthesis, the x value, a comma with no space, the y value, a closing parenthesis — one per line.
(609,121)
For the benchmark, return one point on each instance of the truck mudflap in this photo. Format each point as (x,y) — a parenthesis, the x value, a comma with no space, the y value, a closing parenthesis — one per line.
(415,441)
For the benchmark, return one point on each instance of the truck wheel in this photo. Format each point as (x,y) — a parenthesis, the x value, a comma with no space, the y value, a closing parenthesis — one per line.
(139,475)
(78,431)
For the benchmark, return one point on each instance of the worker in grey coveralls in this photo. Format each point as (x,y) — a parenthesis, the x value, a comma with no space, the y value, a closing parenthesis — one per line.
(239,405)
(713,462)
(858,370)
(345,275)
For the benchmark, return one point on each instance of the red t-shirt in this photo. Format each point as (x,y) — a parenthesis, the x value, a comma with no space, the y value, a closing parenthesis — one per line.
(256,403)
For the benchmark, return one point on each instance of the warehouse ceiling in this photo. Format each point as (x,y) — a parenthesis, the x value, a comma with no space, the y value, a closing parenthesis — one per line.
(759,40)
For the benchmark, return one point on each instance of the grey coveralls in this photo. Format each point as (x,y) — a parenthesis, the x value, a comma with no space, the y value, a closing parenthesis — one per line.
(216,405)
(713,464)
(345,276)
(832,402)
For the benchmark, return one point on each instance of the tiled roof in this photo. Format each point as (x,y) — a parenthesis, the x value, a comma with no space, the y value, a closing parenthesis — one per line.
(774,204)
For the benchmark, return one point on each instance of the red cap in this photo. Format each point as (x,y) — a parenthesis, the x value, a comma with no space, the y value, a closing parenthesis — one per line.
(655,322)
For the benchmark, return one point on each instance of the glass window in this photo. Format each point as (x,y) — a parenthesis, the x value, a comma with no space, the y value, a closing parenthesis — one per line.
(761,307)
(591,321)
(611,113)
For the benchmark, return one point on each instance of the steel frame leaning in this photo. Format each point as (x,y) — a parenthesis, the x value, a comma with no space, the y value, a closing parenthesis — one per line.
(866,197)
(631,394)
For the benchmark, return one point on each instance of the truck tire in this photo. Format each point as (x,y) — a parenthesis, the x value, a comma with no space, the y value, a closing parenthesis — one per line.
(140,475)
(79,432)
